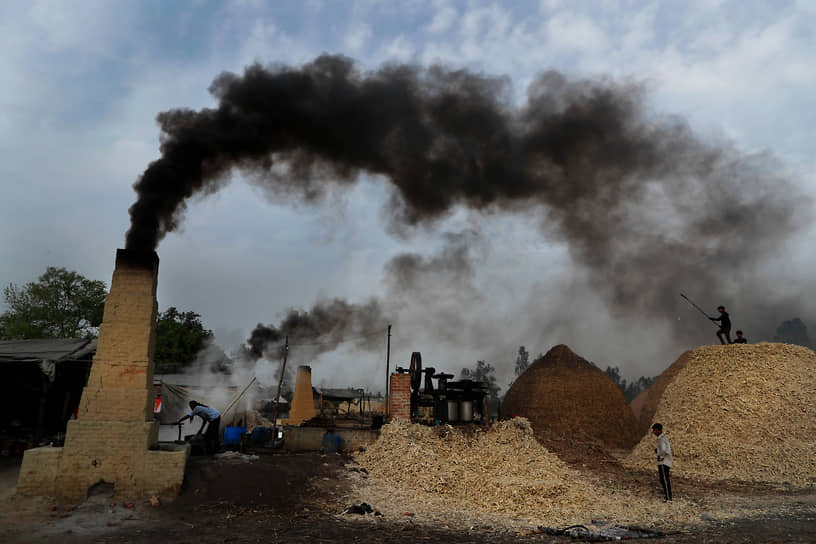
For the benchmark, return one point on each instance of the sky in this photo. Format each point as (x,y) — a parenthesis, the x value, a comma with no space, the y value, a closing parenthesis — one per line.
(84,82)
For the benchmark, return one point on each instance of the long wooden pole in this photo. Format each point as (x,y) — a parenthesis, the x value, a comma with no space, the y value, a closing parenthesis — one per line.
(280,381)
(687,299)
(236,399)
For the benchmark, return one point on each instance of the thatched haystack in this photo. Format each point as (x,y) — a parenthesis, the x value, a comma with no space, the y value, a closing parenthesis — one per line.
(563,394)
(740,412)
(645,404)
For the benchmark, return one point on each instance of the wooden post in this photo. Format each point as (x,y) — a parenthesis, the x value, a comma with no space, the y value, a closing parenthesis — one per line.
(280,382)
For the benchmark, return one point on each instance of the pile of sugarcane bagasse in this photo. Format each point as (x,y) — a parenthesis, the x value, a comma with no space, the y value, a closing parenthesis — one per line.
(735,412)
(498,477)
(743,412)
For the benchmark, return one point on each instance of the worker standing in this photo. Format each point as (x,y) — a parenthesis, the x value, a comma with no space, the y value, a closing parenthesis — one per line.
(724,332)
(664,460)
(210,417)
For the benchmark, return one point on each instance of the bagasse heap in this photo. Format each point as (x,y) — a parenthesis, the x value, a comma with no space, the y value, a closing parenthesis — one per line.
(743,412)
(563,394)
(500,470)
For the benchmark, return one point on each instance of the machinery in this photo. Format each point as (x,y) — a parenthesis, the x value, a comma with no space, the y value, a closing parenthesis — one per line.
(453,402)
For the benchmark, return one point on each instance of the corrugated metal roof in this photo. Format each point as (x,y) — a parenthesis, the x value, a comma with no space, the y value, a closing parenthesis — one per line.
(342,394)
(46,349)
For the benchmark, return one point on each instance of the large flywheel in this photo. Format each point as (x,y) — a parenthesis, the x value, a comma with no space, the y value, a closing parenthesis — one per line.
(415,370)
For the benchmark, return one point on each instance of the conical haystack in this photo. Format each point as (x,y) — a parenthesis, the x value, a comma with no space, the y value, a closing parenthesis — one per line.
(740,412)
(563,394)
(645,404)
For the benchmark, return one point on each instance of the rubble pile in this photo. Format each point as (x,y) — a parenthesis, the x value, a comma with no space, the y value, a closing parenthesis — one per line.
(562,394)
(500,470)
(742,412)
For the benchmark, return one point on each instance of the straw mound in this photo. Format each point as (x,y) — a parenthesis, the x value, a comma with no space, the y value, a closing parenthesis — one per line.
(645,404)
(501,471)
(743,412)
(561,393)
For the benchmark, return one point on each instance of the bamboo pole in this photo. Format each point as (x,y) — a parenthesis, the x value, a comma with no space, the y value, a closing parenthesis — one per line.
(236,399)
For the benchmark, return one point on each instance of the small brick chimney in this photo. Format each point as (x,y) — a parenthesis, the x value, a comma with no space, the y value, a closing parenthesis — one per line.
(114,438)
(303,404)
(400,400)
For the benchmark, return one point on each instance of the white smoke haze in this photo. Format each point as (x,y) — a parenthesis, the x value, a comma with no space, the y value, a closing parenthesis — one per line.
(494,286)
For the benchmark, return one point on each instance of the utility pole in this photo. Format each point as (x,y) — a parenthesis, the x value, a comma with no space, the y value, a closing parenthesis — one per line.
(388,374)
(280,383)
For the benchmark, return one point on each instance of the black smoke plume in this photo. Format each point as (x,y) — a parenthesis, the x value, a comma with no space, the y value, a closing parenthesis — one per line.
(321,329)
(641,201)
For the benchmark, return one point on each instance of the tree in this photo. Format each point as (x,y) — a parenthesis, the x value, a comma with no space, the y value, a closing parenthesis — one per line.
(180,336)
(486,373)
(522,361)
(631,389)
(792,331)
(60,304)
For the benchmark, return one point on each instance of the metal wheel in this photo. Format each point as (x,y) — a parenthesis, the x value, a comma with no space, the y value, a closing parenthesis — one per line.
(415,370)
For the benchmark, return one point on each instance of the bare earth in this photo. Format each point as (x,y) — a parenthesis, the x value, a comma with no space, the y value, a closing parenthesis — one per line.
(287,497)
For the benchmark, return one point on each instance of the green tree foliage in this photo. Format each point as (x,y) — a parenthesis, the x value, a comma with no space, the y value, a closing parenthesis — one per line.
(793,331)
(179,338)
(630,389)
(60,304)
(522,361)
(486,373)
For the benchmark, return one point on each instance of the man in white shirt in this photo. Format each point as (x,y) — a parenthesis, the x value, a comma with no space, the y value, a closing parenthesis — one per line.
(664,459)
(210,417)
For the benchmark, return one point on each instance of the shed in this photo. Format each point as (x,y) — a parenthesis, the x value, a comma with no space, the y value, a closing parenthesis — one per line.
(42,381)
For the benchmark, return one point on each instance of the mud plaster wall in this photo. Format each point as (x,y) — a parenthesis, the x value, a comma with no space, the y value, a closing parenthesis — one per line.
(114,437)
(303,401)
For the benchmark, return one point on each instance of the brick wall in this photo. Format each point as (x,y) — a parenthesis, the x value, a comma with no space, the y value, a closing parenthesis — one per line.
(111,438)
(401,396)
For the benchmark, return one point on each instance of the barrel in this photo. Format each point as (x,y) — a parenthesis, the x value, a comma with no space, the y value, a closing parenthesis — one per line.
(453,410)
(232,435)
(466,410)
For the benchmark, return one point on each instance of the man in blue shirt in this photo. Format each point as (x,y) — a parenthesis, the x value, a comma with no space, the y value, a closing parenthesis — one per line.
(210,417)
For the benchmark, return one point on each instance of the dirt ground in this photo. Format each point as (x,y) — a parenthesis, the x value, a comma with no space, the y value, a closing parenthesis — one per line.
(300,497)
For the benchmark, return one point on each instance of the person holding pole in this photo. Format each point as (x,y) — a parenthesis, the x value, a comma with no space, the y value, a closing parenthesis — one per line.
(664,460)
(725,325)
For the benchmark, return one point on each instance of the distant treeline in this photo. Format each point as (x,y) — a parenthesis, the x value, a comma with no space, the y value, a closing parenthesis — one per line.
(630,389)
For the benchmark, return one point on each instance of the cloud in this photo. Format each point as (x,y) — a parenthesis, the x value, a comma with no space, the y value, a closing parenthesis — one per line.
(443,20)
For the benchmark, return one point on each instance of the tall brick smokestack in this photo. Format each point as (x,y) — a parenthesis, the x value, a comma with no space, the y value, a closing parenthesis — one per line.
(114,435)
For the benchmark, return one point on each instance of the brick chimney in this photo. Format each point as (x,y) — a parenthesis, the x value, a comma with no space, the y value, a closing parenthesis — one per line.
(114,438)
(400,401)
(303,404)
